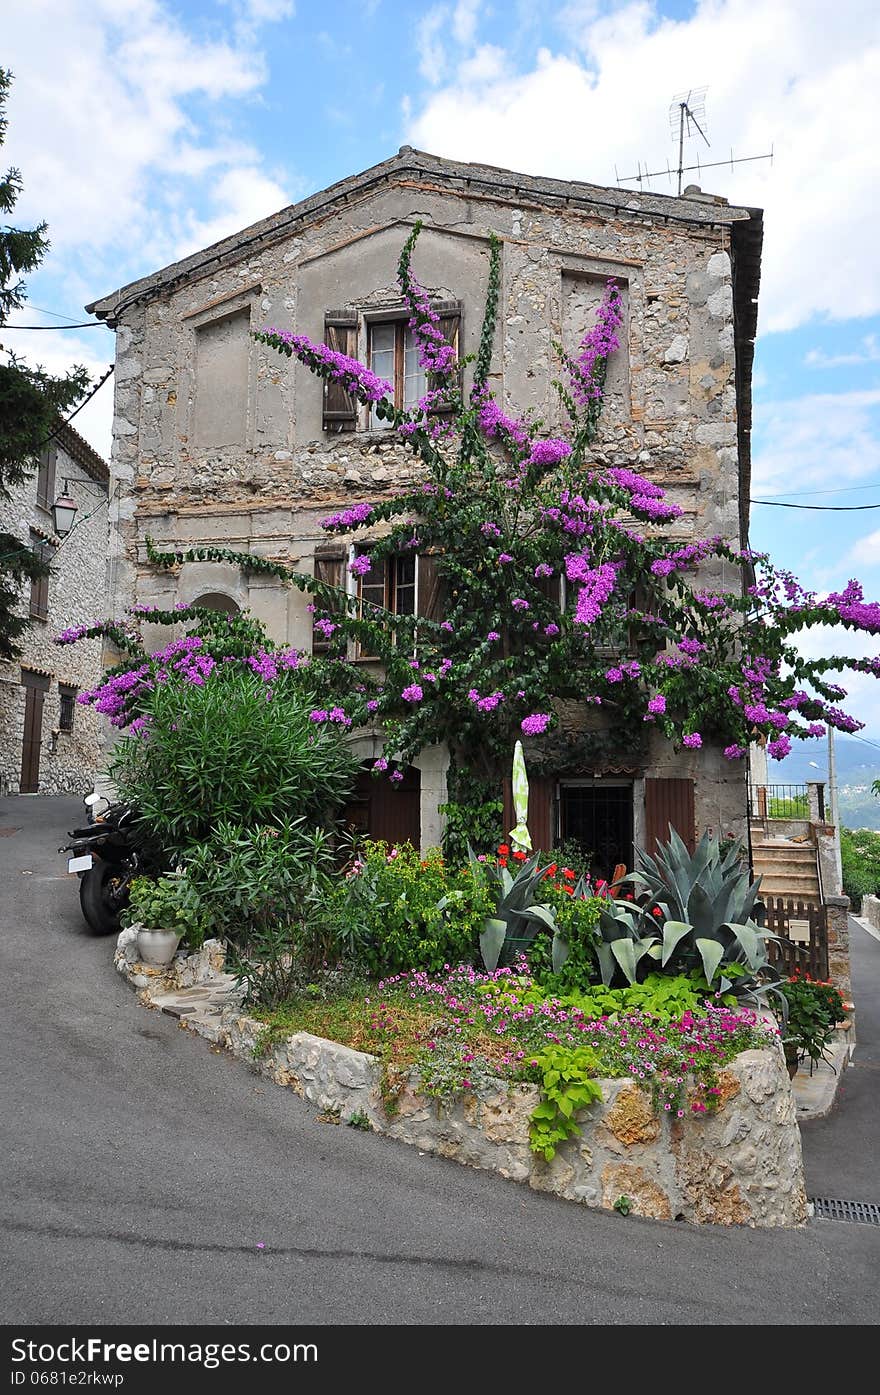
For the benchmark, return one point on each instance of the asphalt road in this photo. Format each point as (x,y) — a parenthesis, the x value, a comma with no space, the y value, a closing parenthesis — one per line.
(142,1170)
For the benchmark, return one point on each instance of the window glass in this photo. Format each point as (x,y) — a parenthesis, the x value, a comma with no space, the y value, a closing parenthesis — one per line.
(405,585)
(382,350)
(415,382)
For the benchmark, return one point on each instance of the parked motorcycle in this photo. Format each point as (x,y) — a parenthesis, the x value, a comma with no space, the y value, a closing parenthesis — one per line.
(107,854)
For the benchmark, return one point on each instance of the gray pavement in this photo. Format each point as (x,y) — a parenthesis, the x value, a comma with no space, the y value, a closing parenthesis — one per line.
(142,1171)
(841,1151)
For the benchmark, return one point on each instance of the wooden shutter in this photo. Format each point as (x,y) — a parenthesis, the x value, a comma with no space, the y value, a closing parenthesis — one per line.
(669,802)
(449,326)
(328,568)
(340,407)
(46,478)
(431,589)
(39,598)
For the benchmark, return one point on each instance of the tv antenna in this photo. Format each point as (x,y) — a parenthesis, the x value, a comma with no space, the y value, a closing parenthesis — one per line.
(689,109)
(687,115)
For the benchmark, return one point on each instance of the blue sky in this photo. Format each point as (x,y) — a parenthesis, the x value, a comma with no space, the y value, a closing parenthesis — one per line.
(145,130)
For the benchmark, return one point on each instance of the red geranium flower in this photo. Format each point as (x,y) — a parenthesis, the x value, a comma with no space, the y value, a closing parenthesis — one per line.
(520,856)
(503,850)
(568,874)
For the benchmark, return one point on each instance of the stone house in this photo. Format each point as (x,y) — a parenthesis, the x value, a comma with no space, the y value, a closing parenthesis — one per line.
(50,744)
(219,441)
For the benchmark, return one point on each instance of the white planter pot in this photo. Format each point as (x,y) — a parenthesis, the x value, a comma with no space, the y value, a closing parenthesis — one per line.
(157,946)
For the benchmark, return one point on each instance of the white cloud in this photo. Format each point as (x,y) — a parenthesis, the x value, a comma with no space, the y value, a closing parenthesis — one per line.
(778,74)
(819,441)
(868,353)
(862,699)
(118,79)
(118,119)
(866,551)
(56,352)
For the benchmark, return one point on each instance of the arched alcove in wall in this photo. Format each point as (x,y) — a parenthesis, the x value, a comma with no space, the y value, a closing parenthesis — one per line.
(384,810)
(216,600)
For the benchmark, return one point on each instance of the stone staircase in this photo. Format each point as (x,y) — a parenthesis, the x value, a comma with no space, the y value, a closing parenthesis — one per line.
(787,868)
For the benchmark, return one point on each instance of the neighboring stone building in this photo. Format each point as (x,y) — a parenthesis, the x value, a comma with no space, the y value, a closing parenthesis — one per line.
(49,743)
(218,440)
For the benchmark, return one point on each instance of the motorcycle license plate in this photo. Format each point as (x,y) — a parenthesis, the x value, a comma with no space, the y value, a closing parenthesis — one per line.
(79,864)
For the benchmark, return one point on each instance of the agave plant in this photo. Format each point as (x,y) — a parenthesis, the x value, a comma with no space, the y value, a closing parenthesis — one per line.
(706,900)
(519,916)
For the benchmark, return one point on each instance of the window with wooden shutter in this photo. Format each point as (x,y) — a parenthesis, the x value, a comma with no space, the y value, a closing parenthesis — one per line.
(39,600)
(393,354)
(340,406)
(46,478)
(328,569)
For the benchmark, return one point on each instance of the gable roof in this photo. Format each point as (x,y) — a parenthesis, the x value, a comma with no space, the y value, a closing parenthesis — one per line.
(418,166)
(78,448)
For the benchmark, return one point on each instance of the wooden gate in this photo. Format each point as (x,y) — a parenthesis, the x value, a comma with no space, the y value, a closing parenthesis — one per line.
(35,687)
(669,802)
(803,932)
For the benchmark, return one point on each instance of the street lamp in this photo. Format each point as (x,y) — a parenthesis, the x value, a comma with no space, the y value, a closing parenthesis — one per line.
(64,512)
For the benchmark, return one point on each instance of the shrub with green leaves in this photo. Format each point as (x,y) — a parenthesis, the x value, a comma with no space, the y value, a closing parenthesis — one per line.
(230,748)
(410,912)
(169,902)
(860,859)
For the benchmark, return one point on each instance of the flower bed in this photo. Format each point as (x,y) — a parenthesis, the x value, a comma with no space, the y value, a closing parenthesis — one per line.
(736,1160)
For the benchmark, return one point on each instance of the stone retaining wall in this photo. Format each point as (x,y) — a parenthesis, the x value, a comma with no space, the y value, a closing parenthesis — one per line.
(741,1165)
(871,910)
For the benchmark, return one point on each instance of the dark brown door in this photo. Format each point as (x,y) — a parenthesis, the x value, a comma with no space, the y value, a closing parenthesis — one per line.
(35,687)
(669,802)
(384,810)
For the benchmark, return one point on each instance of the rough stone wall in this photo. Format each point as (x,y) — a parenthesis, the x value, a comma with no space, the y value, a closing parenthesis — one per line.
(740,1165)
(68,760)
(670,411)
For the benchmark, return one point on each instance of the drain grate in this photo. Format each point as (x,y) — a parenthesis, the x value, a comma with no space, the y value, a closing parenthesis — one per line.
(828,1209)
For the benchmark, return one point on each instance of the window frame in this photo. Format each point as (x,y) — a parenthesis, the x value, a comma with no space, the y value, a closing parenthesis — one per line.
(67,694)
(399,319)
(399,316)
(391,586)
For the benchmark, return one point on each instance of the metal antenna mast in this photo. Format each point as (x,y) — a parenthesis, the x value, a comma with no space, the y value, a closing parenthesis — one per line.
(687,114)
(688,106)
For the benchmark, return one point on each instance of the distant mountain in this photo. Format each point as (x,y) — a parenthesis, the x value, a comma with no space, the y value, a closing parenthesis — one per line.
(858,765)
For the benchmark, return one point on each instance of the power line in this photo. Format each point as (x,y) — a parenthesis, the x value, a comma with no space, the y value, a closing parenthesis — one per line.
(848,489)
(82,324)
(818,508)
(41,309)
(52,434)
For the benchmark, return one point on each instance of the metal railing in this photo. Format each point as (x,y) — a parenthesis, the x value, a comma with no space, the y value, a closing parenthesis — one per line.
(785,801)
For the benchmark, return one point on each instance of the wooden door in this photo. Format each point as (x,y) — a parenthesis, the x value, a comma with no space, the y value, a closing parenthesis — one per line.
(669,802)
(540,817)
(384,810)
(35,686)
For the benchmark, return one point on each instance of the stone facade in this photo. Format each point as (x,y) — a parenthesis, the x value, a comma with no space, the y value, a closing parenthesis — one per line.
(67,759)
(740,1165)
(218,440)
